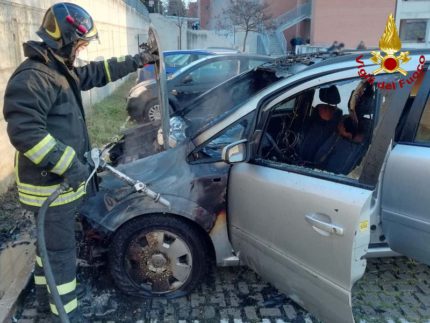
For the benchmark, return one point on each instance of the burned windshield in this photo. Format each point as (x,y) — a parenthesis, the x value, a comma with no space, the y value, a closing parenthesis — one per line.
(226,98)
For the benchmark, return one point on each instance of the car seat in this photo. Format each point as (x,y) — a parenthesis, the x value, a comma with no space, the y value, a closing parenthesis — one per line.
(318,130)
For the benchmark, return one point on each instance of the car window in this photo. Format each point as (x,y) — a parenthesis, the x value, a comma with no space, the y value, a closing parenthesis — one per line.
(198,56)
(211,150)
(423,133)
(181,60)
(225,99)
(215,71)
(326,129)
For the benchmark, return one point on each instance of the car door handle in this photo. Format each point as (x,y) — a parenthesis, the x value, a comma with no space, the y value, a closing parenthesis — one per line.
(322,226)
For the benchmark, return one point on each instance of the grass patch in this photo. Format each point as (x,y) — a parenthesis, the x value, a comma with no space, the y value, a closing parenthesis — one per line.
(106,117)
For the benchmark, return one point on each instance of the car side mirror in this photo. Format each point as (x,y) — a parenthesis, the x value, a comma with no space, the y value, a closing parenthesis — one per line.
(235,152)
(187,79)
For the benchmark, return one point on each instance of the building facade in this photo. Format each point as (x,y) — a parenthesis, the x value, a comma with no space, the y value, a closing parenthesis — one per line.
(321,22)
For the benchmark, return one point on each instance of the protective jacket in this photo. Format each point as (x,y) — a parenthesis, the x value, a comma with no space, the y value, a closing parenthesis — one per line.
(46,120)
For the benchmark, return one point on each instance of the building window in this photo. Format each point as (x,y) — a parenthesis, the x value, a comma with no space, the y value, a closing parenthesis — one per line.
(413,30)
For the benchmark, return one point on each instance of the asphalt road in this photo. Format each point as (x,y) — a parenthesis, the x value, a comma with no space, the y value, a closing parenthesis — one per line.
(392,290)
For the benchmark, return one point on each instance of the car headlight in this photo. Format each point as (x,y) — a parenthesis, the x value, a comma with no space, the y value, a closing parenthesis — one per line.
(177,132)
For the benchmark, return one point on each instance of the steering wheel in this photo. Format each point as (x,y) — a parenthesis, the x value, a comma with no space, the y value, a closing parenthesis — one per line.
(274,144)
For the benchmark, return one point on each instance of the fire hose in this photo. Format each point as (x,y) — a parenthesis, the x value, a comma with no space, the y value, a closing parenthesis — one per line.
(96,162)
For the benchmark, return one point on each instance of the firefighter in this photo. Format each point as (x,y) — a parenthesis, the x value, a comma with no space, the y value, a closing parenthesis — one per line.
(46,124)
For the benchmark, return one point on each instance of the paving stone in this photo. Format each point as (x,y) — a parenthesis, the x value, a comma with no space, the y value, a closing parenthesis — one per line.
(243,288)
(371,299)
(290,312)
(410,313)
(230,313)
(234,300)
(251,313)
(182,301)
(404,287)
(398,293)
(196,300)
(387,276)
(424,288)
(392,312)
(270,312)
(369,311)
(389,288)
(408,299)
(154,313)
(197,313)
(387,299)
(184,313)
(424,312)
(209,312)
(218,299)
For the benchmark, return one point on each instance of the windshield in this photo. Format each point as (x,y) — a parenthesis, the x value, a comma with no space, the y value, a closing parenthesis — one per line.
(226,98)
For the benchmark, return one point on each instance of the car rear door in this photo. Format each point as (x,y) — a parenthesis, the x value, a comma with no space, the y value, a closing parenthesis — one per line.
(406,190)
(304,231)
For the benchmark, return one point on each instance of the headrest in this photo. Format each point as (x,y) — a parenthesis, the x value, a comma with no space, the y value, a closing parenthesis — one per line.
(330,95)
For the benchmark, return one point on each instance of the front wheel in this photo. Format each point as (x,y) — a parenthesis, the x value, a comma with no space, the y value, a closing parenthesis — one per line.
(157,255)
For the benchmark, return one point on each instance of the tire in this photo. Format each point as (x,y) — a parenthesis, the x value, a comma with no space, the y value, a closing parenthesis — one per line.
(147,251)
(152,112)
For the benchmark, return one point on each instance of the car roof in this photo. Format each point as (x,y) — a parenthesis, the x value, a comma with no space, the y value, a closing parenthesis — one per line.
(188,51)
(293,64)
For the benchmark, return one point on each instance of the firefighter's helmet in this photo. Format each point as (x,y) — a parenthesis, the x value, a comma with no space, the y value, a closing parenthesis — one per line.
(65,23)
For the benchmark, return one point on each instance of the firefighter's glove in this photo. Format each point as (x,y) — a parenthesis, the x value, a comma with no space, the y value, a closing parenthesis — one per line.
(148,58)
(76,174)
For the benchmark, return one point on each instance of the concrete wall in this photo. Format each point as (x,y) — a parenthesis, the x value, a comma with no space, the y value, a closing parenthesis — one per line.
(118,27)
(191,39)
(200,39)
(349,21)
(168,31)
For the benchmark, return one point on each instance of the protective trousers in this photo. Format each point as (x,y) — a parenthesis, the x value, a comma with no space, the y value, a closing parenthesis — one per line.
(60,244)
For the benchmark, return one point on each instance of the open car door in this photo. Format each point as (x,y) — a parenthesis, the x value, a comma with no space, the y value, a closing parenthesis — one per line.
(305,231)
(406,190)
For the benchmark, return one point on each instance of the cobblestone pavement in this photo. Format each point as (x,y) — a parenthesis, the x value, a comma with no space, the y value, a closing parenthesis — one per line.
(392,290)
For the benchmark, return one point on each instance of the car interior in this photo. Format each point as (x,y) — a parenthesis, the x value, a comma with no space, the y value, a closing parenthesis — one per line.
(327,128)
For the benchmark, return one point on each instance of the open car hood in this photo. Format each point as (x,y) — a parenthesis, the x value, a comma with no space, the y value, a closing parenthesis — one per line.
(160,76)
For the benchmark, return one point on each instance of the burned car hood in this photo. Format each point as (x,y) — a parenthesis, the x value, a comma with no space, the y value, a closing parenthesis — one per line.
(156,168)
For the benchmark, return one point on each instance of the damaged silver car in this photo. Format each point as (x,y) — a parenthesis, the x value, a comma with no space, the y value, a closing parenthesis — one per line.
(300,172)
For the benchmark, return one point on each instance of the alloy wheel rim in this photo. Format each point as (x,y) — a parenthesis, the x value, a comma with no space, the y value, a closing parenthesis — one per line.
(158,261)
(154,113)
